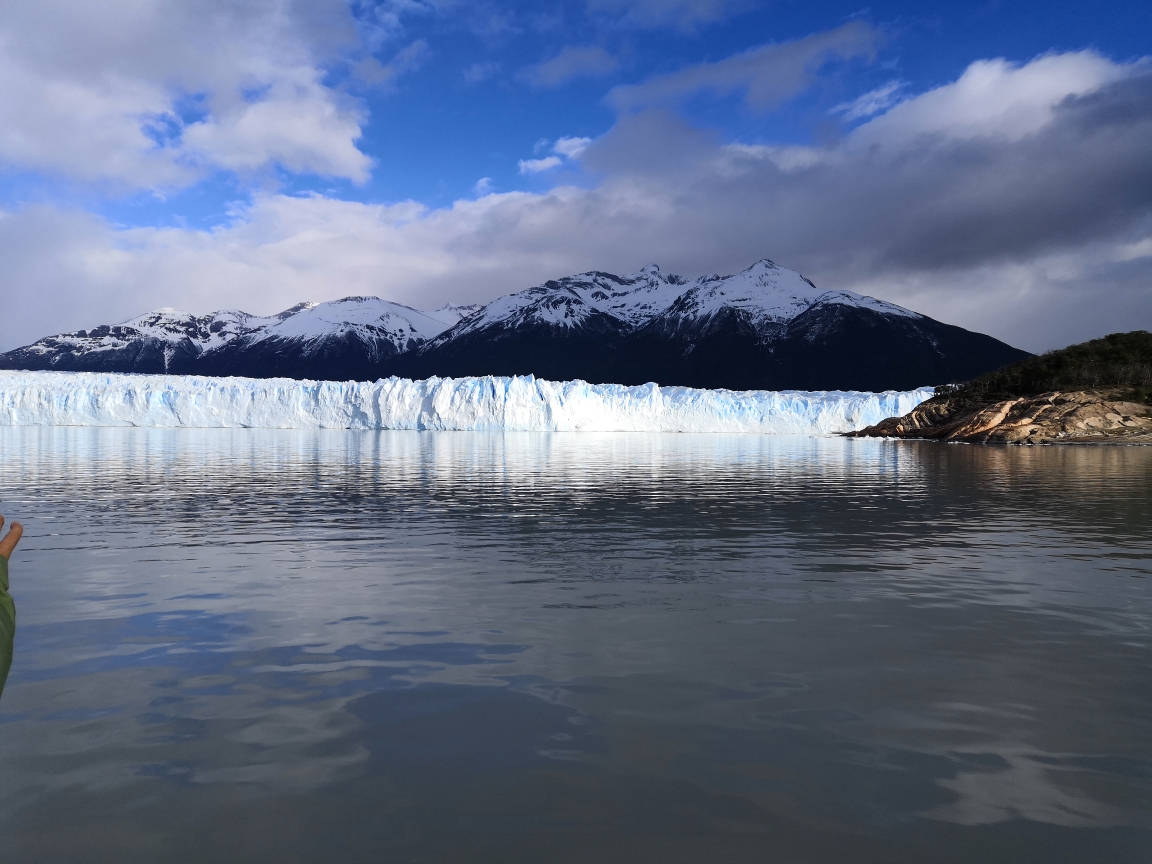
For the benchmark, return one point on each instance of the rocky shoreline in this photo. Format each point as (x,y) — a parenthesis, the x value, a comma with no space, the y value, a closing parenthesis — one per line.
(1074,417)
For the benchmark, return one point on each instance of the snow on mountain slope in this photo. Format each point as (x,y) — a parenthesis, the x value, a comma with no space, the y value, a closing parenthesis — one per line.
(450,313)
(464,404)
(166,325)
(765,327)
(640,296)
(571,301)
(172,340)
(765,292)
(173,325)
(768,294)
(370,318)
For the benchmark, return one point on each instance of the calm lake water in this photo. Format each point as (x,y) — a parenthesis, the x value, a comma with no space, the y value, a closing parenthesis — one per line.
(276,646)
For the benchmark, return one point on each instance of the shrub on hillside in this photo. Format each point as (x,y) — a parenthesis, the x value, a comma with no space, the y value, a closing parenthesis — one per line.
(1119,360)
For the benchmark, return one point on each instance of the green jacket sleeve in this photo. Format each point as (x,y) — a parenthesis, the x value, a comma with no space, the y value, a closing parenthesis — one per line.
(7,624)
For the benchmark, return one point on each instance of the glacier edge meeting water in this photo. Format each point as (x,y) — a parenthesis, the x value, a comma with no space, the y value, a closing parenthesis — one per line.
(490,403)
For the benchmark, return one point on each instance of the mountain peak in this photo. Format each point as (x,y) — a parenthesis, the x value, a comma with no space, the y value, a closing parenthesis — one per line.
(452,313)
(293,310)
(163,315)
(764,327)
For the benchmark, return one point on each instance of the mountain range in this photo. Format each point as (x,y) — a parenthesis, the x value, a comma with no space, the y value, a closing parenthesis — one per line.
(764,328)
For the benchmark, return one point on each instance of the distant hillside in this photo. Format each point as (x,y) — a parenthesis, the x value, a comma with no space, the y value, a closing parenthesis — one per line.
(1119,360)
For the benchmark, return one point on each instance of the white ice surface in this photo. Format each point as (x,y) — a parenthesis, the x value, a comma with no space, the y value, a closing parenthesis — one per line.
(465,404)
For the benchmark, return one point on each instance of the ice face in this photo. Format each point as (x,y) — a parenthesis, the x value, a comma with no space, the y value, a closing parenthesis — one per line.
(463,404)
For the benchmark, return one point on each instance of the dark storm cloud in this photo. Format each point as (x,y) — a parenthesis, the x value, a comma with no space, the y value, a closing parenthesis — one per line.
(1086,176)
(931,203)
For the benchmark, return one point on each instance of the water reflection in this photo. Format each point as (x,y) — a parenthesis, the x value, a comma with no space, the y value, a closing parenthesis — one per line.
(256,645)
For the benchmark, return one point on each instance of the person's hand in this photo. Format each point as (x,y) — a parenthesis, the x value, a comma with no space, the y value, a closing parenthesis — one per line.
(11,539)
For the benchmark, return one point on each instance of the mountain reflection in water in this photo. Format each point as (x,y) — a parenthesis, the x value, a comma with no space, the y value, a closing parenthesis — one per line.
(252,645)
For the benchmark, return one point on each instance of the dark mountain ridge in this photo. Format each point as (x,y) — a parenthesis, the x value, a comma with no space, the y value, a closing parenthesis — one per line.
(764,328)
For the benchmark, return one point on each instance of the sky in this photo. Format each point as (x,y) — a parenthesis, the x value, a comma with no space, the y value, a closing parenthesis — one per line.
(988,164)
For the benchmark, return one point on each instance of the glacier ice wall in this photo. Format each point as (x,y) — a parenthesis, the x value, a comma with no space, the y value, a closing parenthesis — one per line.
(465,404)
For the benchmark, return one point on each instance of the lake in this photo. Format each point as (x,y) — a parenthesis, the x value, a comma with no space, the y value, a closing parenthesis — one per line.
(326,646)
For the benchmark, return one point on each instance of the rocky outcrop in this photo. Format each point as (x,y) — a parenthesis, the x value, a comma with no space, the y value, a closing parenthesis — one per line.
(1076,417)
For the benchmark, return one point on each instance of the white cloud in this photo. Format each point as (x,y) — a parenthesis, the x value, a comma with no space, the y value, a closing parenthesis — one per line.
(535,166)
(995,97)
(1037,238)
(870,103)
(1139,249)
(572,62)
(381,21)
(291,127)
(563,149)
(82,85)
(73,270)
(571,148)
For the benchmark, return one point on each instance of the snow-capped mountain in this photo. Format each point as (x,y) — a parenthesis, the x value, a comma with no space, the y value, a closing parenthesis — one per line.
(349,333)
(767,294)
(764,328)
(369,318)
(162,340)
(342,339)
(577,301)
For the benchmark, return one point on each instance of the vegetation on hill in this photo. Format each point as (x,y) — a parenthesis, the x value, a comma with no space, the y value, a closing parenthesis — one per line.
(1119,360)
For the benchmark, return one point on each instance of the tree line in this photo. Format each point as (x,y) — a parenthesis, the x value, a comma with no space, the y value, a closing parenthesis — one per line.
(1119,360)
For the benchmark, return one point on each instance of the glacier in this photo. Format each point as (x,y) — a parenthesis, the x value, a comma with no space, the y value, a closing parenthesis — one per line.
(448,404)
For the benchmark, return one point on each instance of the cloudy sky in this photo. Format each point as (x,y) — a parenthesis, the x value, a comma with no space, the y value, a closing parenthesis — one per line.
(988,164)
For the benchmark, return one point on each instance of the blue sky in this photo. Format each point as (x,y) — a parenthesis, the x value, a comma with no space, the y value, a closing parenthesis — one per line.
(206,153)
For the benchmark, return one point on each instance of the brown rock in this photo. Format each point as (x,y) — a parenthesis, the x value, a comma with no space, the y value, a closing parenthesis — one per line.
(1080,416)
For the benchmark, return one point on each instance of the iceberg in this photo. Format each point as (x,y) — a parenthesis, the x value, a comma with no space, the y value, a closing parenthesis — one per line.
(489,403)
